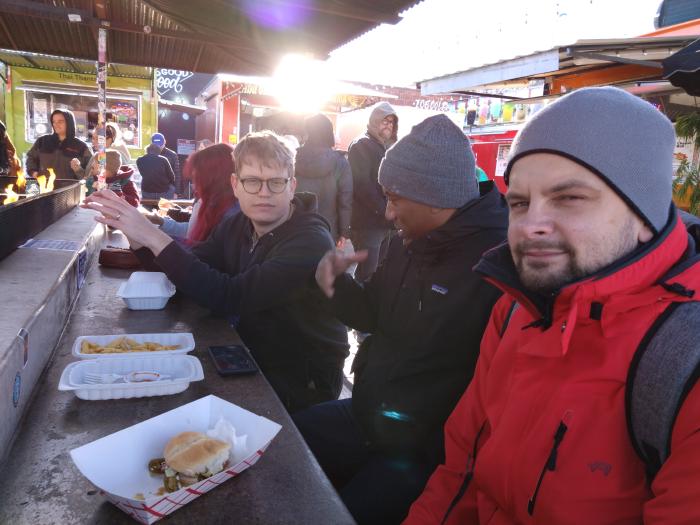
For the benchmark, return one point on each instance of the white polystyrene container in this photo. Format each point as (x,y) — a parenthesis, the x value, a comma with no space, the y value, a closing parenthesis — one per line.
(146,291)
(183,369)
(184,340)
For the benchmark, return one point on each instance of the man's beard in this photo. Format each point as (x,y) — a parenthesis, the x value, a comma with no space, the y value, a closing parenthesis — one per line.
(539,278)
(535,276)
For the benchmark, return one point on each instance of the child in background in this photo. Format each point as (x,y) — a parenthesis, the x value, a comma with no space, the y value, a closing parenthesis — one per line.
(117,177)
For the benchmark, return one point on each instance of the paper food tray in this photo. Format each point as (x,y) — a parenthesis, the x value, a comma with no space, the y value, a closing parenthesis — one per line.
(184,340)
(183,369)
(118,464)
(146,291)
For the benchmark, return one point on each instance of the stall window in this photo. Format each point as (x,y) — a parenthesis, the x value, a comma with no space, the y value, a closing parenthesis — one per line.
(124,111)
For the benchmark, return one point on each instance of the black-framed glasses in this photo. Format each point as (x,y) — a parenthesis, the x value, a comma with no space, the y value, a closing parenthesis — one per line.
(253,185)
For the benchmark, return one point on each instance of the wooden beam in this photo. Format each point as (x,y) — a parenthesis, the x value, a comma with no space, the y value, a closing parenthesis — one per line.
(8,34)
(199,56)
(99,7)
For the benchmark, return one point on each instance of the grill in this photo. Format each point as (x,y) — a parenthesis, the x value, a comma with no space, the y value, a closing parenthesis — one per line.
(23,219)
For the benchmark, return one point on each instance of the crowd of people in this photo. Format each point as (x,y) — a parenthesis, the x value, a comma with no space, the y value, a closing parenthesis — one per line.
(500,336)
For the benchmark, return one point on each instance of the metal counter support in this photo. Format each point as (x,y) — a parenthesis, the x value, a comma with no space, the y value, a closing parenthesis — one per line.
(40,483)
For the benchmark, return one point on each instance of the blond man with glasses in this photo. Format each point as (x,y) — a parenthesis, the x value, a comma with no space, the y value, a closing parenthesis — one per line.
(256,269)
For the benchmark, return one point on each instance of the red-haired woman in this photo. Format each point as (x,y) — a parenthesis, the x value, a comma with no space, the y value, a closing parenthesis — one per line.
(210,171)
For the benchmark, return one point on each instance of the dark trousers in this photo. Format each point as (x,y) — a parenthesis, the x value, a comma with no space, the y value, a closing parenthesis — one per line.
(376,488)
(376,243)
(304,386)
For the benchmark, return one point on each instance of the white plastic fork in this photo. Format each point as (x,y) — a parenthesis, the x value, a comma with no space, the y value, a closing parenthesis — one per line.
(132,377)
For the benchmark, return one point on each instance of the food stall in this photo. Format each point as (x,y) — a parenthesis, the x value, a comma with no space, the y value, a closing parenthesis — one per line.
(34,90)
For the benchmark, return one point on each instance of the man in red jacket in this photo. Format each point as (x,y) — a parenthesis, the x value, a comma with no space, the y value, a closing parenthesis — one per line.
(596,253)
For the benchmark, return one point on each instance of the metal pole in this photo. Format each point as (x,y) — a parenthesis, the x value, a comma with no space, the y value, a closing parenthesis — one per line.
(101,105)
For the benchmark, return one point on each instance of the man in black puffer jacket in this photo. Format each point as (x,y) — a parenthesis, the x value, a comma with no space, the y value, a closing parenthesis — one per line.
(58,149)
(426,312)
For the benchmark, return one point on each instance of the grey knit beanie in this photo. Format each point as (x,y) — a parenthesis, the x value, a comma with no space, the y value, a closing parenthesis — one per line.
(621,138)
(433,165)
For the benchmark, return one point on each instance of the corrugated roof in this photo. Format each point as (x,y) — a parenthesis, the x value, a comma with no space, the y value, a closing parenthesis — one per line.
(207,36)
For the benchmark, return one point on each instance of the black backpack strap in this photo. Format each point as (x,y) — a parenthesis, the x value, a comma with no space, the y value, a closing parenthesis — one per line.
(664,369)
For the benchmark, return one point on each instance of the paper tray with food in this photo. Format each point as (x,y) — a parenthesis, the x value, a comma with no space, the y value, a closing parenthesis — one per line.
(129,377)
(133,345)
(118,464)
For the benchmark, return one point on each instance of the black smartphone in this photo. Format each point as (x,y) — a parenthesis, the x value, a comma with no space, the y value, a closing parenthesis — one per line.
(232,360)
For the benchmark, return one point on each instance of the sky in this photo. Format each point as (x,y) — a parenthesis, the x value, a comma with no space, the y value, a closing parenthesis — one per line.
(438,37)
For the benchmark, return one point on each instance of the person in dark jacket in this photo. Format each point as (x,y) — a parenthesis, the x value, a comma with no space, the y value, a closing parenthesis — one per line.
(58,149)
(326,173)
(256,269)
(369,227)
(157,177)
(426,312)
(159,140)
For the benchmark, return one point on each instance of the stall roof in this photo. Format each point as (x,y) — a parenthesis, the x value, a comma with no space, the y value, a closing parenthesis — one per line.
(584,63)
(71,65)
(205,36)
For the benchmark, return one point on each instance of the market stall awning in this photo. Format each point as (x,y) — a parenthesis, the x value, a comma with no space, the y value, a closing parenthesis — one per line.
(206,36)
(682,69)
(561,69)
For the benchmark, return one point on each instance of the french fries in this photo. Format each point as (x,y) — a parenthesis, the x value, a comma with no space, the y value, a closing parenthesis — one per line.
(123,345)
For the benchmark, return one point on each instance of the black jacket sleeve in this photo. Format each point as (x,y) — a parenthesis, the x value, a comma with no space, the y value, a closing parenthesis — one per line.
(357,304)
(275,280)
(167,168)
(33,157)
(85,156)
(344,197)
(364,164)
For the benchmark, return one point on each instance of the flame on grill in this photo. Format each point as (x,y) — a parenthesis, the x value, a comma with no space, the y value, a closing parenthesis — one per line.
(52,178)
(11,195)
(21,181)
(13,191)
(45,186)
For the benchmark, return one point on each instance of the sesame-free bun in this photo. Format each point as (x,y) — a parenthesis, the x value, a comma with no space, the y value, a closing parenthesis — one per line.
(193,453)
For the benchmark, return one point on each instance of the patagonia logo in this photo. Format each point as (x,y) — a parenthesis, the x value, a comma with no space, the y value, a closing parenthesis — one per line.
(605,468)
(439,289)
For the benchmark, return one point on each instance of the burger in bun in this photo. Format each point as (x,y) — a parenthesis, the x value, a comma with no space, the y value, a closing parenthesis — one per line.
(190,457)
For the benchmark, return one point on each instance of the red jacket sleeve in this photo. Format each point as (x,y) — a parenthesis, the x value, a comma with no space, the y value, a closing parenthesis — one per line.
(462,428)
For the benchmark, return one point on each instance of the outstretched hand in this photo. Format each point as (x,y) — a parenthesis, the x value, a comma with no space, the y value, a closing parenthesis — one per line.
(333,264)
(117,213)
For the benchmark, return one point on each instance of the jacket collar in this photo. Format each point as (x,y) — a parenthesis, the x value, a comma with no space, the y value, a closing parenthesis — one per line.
(488,211)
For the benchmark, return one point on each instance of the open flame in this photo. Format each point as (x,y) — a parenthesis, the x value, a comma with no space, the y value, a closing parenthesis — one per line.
(52,178)
(13,191)
(11,195)
(21,181)
(44,186)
